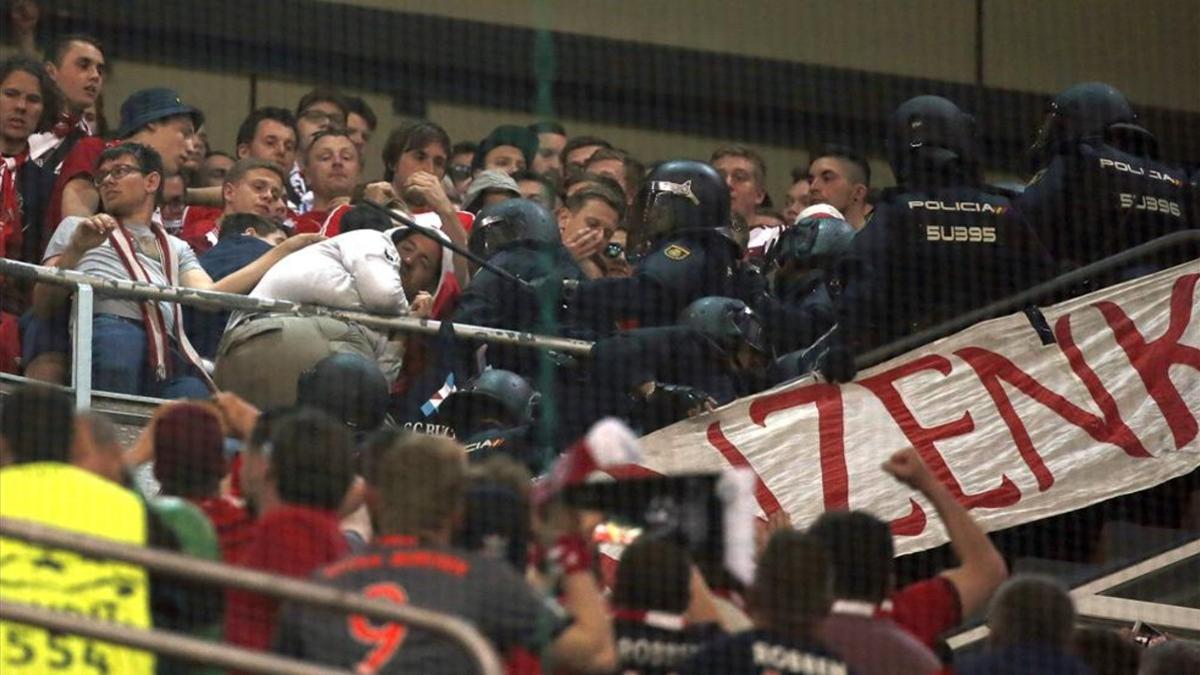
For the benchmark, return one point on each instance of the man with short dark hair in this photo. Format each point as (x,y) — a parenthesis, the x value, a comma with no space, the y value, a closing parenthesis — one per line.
(361,122)
(618,165)
(76,64)
(212,171)
(861,547)
(790,595)
(662,610)
(301,477)
(539,188)
(745,172)
(841,178)
(578,150)
(318,110)
(1032,622)
(552,136)
(269,134)
(138,348)
(419,484)
(507,148)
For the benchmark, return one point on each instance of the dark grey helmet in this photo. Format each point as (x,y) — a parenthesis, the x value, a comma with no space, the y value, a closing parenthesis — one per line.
(727,322)
(512,222)
(497,393)
(814,242)
(930,134)
(683,195)
(1089,111)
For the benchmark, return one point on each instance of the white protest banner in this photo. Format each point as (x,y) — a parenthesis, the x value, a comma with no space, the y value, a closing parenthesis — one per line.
(1017,430)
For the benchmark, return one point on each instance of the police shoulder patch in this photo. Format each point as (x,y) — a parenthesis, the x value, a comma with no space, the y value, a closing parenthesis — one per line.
(676,252)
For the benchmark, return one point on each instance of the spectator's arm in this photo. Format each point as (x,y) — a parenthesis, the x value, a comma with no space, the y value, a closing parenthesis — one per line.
(587,646)
(430,190)
(453,228)
(80,198)
(204,196)
(85,236)
(244,280)
(702,608)
(238,415)
(982,568)
(47,298)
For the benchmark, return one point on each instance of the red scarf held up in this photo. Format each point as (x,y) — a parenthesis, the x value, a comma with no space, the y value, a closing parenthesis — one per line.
(157,337)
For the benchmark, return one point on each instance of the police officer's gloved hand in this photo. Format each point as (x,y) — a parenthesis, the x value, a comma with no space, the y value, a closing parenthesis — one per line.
(750,284)
(836,364)
(669,403)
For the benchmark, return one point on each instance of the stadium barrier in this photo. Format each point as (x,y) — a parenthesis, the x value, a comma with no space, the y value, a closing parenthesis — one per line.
(195,569)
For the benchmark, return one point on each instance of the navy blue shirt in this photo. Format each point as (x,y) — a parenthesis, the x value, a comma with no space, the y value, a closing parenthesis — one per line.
(231,254)
(760,651)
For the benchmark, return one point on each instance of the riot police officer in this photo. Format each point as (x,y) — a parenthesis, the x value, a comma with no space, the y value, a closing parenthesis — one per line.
(940,243)
(519,237)
(683,209)
(799,308)
(1100,188)
(494,413)
(656,376)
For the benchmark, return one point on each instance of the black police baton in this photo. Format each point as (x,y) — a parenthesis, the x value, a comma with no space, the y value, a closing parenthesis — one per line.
(430,233)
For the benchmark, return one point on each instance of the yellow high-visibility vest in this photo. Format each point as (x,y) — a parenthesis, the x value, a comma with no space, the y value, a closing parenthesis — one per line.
(63,496)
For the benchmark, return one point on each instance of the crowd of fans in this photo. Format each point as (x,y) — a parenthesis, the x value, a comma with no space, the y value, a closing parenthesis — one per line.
(417,518)
(693,287)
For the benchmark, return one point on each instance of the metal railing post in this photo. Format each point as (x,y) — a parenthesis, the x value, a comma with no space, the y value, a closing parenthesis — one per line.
(81,345)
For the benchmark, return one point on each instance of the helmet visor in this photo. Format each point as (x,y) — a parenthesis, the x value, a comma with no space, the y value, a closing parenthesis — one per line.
(662,199)
(490,234)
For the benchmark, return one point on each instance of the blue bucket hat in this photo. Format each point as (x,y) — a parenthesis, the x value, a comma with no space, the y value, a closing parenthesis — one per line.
(150,105)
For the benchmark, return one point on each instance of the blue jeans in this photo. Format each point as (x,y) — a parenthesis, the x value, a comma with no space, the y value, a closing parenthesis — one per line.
(119,363)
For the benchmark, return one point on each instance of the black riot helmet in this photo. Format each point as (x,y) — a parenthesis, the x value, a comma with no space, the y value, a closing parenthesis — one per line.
(502,396)
(727,322)
(350,387)
(681,196)
(1091,111)
(510,222)
(930,137)
(815,242)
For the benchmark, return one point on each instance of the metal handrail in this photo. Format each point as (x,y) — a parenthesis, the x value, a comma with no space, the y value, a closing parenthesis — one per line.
(162,642)
(206,571)
(1018,302)
(231,301)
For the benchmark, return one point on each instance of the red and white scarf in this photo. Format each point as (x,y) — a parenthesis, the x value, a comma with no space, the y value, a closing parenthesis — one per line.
(10,203)
(649,617)
(158,340)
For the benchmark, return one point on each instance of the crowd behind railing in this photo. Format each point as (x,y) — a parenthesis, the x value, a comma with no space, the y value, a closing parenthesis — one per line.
(692,286)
